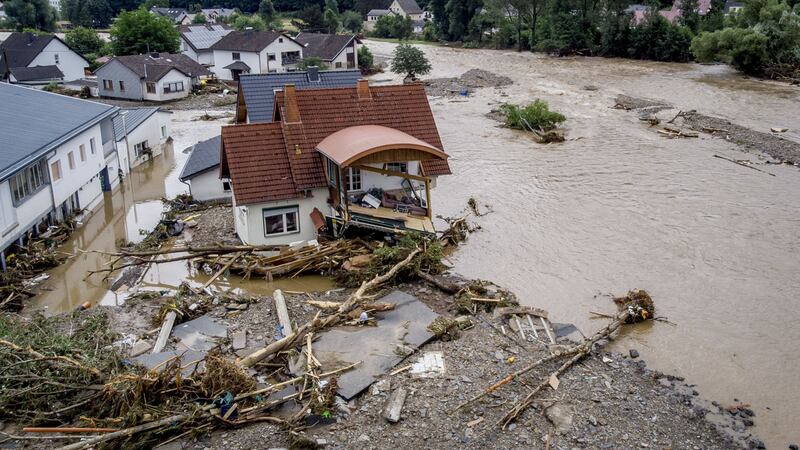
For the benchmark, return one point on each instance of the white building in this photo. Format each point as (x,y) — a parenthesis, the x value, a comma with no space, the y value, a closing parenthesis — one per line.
(337,51)
(242,52)
(201,172)
(373,16)
(141,135)
(406,8)
(215,14)
(179,16)
(52,161)
(40,59)
(196,41)
(154,77)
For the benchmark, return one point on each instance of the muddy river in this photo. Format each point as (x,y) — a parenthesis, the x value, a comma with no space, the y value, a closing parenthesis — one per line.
(615,207)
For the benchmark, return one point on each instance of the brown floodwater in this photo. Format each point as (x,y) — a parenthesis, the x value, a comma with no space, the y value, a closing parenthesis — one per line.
(618,207)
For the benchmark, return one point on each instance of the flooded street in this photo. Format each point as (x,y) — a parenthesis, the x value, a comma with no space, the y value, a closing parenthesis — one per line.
(618,207)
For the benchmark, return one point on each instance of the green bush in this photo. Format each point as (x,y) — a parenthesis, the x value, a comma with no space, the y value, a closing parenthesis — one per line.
(536,115)
(365,59)
(305,63)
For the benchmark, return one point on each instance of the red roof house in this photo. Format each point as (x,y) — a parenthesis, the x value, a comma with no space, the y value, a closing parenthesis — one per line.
(362,156)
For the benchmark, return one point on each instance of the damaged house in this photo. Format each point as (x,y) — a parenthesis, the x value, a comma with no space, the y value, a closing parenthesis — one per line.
(364,156)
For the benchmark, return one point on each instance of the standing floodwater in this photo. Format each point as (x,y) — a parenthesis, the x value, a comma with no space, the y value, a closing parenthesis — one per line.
(618,207)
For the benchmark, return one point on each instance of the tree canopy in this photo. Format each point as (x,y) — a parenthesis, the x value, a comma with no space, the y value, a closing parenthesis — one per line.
(84,41)
(410,60)
(139,31)
(36,14)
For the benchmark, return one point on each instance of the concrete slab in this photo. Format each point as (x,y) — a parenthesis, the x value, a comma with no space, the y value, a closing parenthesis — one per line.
(379,348)
(239,340)
(429,365)
(199,334)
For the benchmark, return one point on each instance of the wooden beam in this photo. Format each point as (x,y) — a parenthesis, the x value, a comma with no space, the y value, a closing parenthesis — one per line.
(166,329)
(391,173)
(428,196)
(283,312)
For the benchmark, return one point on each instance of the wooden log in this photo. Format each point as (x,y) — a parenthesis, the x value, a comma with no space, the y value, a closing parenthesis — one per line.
(743,164)
(68,430)
(166,329)
(222,270)
(283,312)
(395,405)
(525,310)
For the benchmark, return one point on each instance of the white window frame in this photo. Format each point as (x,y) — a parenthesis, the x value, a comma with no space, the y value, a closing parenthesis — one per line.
(151,87)
(163,131)
(236,56)
(354,180)
(401,167)
(27,182)
(56,58)
(92,145)
(108,85)
(282,212)
(177,85)
(226,186)
(138,149)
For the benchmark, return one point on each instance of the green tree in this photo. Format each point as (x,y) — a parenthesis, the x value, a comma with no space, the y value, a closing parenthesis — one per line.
(714,19)
(365,59)
(149,4)
(255,23)
(36,14)
(659,40)
(312,61)
(84,41)
(352,21)
(333,5)
(199,18)
(440,17)
(312,18)
(331,19)
(267,11)
(460,13)
(139,31)
(410,60)
(430,32)
(690,15)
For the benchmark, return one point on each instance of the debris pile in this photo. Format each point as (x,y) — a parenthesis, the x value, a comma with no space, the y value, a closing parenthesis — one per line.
(466,84)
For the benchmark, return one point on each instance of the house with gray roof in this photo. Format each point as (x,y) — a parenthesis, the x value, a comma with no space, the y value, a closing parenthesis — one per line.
(201,172)
(53,159)
(39,59)
(142,134)
(197,40)
(214,15)
(155,77)
(372,18)
(179,16)
(406,8)
(249,52)
(337,51)
(257,92)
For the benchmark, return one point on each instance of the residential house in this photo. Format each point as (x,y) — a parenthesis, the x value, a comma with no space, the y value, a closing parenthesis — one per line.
(372,18)
(732,6)
(201,172)
(337,51)
(406,8)
(179,16)
(52,163)
(216,14)
(155,77)
(363,156)
(672,15)
(256,96)
(196,41)
(56,5)
(39,59)
(243,52)
(141,134)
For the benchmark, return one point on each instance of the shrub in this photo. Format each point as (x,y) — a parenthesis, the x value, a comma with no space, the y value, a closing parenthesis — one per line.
(536,115)
(365,59)
(410,60)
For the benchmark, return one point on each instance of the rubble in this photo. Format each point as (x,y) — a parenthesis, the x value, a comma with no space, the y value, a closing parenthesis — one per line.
(465,84)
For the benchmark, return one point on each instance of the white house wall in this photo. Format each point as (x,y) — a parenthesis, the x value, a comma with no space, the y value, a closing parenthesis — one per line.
(250,223)
(72,180)
(17,221)
(258,62)
(342,58)
(277,47)
(171,77)
(208,186)
(70,63)
(116,72)
(150,131)
(224,58)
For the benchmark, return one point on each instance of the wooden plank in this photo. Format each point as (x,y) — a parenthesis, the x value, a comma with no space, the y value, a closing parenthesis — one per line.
(533,328)
(166,329)
(395,405)
(283,312)
(519,327)
(222,270)
(546,325)
(511,310)
(391,173)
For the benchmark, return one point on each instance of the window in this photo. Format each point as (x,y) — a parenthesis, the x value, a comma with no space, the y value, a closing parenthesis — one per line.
(333,173)
(140,148)
(108,85)
(281,221)
(397,167)
(338,65)
(270,56)
(92,145)
(71,159)
(173,87)
(280,40)
(353,179)
(163,131)
(151,87)
(27,181)
(121,86)
(83,152)
(56,58)
(236,56)
(289,57)
(55,170)
(226,186)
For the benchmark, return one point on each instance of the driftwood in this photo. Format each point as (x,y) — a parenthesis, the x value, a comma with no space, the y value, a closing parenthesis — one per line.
(743,164)
(166,329)
(283,312)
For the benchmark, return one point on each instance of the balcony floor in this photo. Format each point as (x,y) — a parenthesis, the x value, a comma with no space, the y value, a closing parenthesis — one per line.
(406,221)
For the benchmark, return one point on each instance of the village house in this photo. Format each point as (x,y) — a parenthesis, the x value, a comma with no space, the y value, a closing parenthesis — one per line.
(372,18)
(672,15)
(337,51)
(54,168)
(256,96)
(196,41)
(406,8)
(364,157)
(213,15)
(243,52)
(178,16)
(141,135)
(201,172)
(39,59)
(155,77)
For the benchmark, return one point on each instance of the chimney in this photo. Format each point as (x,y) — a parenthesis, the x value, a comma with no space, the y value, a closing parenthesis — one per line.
(313,73)
(363,90)
(290,104)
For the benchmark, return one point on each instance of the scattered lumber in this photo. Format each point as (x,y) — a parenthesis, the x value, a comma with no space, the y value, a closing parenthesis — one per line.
(283,312)
(673,132)
(395,405)
(166,329)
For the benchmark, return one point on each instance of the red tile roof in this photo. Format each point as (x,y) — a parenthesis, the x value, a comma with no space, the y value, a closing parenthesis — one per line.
(273,161)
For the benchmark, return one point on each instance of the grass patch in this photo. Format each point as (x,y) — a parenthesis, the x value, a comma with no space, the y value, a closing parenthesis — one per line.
(534,116)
